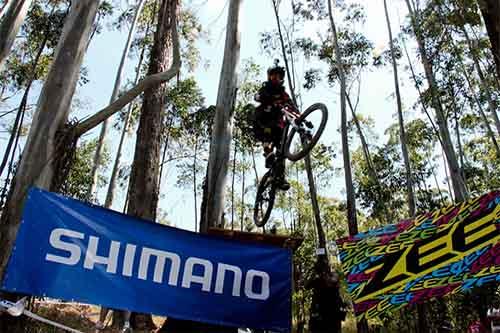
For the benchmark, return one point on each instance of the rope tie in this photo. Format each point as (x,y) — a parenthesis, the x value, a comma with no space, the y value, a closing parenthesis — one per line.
(18,308)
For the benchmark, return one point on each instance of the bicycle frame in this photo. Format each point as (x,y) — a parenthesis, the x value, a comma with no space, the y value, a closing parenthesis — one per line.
(290,116)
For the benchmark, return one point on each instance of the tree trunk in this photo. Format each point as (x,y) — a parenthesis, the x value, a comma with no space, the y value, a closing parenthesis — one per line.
(362,325)
(366,153)
(402,133)
(242,217)
(459,142)
(491,15)
(232,185)
(16,127)
(165,148)
(3,7)
(195,158)
(144,178)
(485,119)
(447,174)
(18,122)
(148,82)
(458,183)
(364,144)
(484,85)
(116,166)
(10,25)
(114,94)
(351,202)
(215,181)
(314,202)
(222,128)
(36,166)
(283,51)
(420,94)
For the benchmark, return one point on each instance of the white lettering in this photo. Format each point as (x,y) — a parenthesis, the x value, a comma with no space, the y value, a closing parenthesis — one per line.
(91,257)
(128,262)
(57,243)
(257,283)
(175,261)
(204,280)
(264,289)
(219,281)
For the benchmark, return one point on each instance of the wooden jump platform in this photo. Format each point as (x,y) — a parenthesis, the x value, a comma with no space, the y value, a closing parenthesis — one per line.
(288,242)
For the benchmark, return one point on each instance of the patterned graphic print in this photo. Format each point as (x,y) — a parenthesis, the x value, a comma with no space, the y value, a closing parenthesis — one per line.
(447,251)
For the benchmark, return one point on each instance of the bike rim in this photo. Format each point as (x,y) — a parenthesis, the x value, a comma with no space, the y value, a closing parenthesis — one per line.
(300,140)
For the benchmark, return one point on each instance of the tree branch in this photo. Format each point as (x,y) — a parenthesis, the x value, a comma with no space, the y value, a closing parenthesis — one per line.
(148,82)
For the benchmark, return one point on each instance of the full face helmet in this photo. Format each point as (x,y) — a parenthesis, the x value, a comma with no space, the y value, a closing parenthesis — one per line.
(276,73)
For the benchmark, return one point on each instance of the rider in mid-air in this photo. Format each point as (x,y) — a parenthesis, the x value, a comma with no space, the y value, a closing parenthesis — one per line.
(269,117)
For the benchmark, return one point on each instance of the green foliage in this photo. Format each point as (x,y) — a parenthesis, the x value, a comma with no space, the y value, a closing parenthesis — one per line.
(80,175)
(41,29)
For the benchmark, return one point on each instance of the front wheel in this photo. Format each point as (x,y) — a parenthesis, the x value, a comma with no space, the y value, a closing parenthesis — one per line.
(311,124)
(264,201)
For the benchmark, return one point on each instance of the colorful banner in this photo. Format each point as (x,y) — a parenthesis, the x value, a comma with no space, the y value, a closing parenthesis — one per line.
(69,250)
(448,251)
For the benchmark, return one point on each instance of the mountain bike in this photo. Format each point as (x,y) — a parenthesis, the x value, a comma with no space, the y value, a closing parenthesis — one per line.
(301,133)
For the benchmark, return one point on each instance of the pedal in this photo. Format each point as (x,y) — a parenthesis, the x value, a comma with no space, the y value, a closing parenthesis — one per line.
(309,124)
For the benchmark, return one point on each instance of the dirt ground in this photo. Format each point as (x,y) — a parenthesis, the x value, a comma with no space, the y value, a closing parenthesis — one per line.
(81,317)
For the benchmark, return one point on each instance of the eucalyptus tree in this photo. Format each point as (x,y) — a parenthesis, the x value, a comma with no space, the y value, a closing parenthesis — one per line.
(341,73)
(344,51)
(351,200)
(222,130)
(189,128)
(307,159)
(51,142)
(27,64)
(52,112)
(114,94)
(402,134)
(459,187)
(144,178)
(10,25)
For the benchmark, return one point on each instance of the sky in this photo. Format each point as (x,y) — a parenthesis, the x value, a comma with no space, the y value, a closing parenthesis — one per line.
(256,16)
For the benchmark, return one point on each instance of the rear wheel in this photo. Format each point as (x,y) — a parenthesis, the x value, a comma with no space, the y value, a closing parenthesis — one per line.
(302,140)
(264,201)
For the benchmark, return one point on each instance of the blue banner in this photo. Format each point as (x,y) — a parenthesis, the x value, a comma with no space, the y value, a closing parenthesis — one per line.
(70,250)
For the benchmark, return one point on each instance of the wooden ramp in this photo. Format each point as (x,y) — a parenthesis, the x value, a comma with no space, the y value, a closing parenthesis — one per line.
(288,242)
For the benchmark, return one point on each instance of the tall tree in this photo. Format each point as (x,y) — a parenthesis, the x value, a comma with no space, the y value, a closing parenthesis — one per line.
(402,134)
(36,166)
(51,142)
(10,25)
(310,176)
(291,84)
(143,190)
(143,185)
(351,201)
(459,187)
(108,202)
(222,130)
(114,95)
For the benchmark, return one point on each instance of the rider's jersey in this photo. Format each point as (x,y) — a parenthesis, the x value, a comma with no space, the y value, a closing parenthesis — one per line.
(269,122)
(269,94)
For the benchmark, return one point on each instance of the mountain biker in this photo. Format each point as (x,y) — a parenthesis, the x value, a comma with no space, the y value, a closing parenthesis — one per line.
(269,120)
